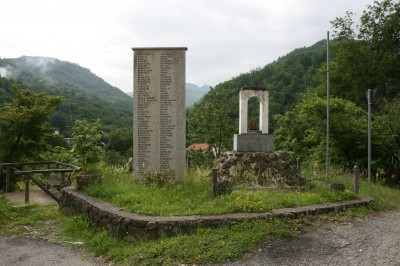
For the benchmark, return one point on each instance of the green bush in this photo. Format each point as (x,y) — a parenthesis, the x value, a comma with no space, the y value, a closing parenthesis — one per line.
(88,147)
(200,159)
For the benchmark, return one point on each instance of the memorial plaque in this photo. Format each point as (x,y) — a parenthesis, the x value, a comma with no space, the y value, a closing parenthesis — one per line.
(159,115)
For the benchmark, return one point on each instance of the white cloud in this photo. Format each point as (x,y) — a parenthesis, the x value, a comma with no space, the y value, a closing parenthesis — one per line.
(4,72)
(224,37)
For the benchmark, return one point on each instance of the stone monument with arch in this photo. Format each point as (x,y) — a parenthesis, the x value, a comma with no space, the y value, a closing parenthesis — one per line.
(253,140)
(253,161)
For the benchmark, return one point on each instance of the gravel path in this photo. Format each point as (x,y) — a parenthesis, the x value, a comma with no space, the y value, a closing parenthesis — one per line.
(374,241)
(18,251)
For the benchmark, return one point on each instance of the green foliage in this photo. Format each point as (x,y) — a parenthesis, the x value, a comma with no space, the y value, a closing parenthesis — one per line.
(24,125)
(386,143)
(303,130)
(119,140)
(370,56)
(6,92)
(200,159)
(88,147)
(57,153)
(114,158)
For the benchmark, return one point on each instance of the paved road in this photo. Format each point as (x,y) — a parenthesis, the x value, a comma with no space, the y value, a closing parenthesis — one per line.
(374,241)
(18,251)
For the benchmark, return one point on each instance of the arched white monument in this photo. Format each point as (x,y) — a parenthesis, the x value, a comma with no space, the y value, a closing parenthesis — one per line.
(259,140)
(263,97)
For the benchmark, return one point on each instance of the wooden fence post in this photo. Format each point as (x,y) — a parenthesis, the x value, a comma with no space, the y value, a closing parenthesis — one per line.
(356,179)
(214,176)
(8,178)
(27,188)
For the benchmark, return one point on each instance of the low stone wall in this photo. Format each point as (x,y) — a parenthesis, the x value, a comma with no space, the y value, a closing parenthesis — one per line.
(134,226)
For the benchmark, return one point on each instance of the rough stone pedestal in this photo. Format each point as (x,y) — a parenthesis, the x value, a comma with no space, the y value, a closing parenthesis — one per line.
(255,169)
(253,142)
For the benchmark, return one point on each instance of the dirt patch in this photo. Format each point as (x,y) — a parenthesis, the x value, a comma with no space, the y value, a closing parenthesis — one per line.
(18,251)
(35,196)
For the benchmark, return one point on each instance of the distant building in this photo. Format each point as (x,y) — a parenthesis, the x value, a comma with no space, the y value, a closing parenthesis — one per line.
(204,147)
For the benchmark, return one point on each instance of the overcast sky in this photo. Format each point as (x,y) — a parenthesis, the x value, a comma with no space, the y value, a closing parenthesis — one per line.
(224,37)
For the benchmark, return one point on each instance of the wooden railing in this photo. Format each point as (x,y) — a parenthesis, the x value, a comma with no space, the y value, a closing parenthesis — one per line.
(62,170)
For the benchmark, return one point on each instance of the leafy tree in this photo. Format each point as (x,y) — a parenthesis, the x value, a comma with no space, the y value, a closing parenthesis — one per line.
(88,146)
(57,153)
(24,124)
(119,145)
(6,92)
(214,119)
(369,53)
(119,140)
(386,143)
(303,130)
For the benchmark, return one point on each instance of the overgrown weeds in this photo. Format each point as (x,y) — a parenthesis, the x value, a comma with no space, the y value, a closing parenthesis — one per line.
(194,196)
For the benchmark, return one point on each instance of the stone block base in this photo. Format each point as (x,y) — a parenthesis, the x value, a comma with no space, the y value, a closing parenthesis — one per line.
(253,143)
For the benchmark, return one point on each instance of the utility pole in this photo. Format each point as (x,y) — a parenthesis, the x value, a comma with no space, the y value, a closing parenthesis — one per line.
(370,95)
(327,108)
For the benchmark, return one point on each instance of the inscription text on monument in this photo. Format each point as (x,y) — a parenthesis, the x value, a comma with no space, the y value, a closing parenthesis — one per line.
(159,111)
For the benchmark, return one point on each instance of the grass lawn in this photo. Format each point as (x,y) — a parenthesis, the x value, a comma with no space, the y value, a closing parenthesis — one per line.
(194,196)
(204,245)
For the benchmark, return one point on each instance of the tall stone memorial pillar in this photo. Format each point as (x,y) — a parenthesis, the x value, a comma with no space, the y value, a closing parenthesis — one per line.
(159,115)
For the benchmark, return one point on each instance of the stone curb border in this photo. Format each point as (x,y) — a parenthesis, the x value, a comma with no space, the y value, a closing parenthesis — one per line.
(134,226)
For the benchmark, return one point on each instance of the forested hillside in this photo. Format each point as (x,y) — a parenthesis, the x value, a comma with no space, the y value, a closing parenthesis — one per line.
(85,96)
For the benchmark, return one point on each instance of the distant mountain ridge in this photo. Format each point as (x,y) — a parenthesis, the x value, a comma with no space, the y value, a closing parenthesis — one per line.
(52,72)
(194,93)
(86,96)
